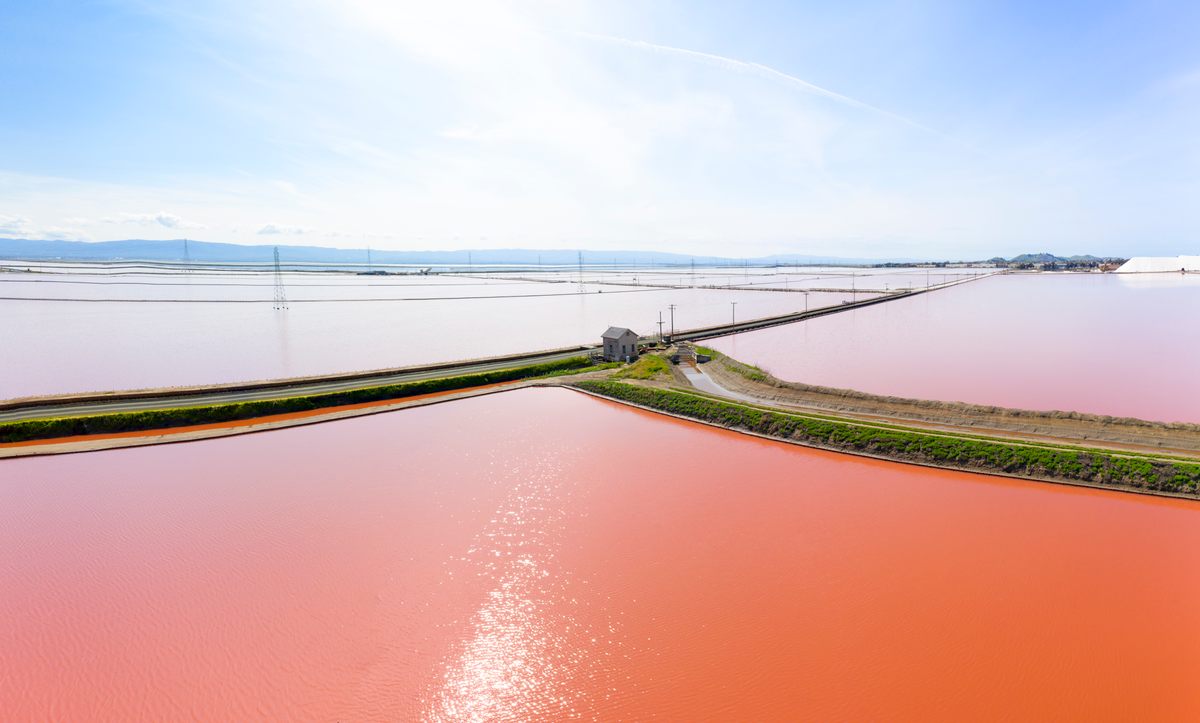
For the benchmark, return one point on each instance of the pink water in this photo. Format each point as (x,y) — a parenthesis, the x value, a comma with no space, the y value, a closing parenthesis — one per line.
(1105,344)
(333,325)
(539,554)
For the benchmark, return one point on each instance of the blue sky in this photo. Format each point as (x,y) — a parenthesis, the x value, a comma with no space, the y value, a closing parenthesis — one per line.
(941,129)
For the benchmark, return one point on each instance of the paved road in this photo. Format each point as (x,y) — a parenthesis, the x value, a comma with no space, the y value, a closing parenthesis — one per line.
(85,404)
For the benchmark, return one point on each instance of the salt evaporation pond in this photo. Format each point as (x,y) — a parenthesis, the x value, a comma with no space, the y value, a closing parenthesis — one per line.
(223,327)
(1110,344)
(539,554)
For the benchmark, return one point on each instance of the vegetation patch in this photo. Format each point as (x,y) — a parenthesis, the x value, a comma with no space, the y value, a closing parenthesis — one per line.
(648,366)
(748,371)
(1083,465)
(117,422)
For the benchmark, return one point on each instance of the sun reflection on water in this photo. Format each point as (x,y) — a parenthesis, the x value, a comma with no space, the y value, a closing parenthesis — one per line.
(525,644)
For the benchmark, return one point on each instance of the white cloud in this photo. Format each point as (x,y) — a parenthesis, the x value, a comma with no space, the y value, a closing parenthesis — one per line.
(18,226)
(166,220)
(21,227)
(169,220)
(272,229)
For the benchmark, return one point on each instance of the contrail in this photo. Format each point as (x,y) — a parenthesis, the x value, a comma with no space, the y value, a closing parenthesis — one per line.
(763,71)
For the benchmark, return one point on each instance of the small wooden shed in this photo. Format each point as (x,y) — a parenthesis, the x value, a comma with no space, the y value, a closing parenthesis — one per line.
(619,344)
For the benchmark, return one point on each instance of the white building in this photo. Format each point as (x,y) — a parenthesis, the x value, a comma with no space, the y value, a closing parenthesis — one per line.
(619,343)
(1159,264)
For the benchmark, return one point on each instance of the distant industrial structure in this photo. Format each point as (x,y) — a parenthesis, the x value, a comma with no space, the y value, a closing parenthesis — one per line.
(280,295)
(619,344)
(1160,265)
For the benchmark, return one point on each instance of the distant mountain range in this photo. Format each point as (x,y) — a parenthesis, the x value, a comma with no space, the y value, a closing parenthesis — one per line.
(209,252)
(1048,258)
(206,251)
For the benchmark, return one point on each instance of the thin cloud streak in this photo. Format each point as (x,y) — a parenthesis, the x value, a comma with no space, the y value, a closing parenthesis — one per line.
(765,71)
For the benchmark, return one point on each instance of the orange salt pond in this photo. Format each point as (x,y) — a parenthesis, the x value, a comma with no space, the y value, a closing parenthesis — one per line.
(539,553)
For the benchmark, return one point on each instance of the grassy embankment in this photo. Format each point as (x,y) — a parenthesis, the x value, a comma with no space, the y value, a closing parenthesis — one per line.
(648,366)
(118,422)
(749,371)
(1090,466)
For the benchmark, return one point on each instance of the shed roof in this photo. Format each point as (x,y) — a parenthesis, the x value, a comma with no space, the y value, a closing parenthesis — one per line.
(616,332)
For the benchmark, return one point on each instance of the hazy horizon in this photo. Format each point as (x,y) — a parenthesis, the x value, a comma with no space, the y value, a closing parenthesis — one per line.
(202,249)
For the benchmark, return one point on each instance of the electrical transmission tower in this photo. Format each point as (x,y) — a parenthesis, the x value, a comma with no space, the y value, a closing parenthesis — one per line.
(187,257)
(280,296)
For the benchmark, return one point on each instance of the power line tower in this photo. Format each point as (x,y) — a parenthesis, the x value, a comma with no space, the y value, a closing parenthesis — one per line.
(580,270)
(187,258)
(280,296)
(672,308)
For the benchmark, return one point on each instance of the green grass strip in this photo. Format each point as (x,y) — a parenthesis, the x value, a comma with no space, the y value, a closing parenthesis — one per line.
(957,434)
(1085,465)
(117,422)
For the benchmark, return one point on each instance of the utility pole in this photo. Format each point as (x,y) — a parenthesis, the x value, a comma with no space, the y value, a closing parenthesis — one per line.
(660,323)
(187,258)
(580,270)
(470,264)
(805,302)
(672,308)
(733,312)
(280,296)
(370,267)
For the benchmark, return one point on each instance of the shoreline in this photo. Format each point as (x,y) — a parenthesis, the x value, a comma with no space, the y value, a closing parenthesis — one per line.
(195,433)
(866,455)
(728,420)
(94,443)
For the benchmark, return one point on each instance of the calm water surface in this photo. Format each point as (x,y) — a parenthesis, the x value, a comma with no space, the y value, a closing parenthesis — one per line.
(538,554)
(1105,344)
(212,335)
